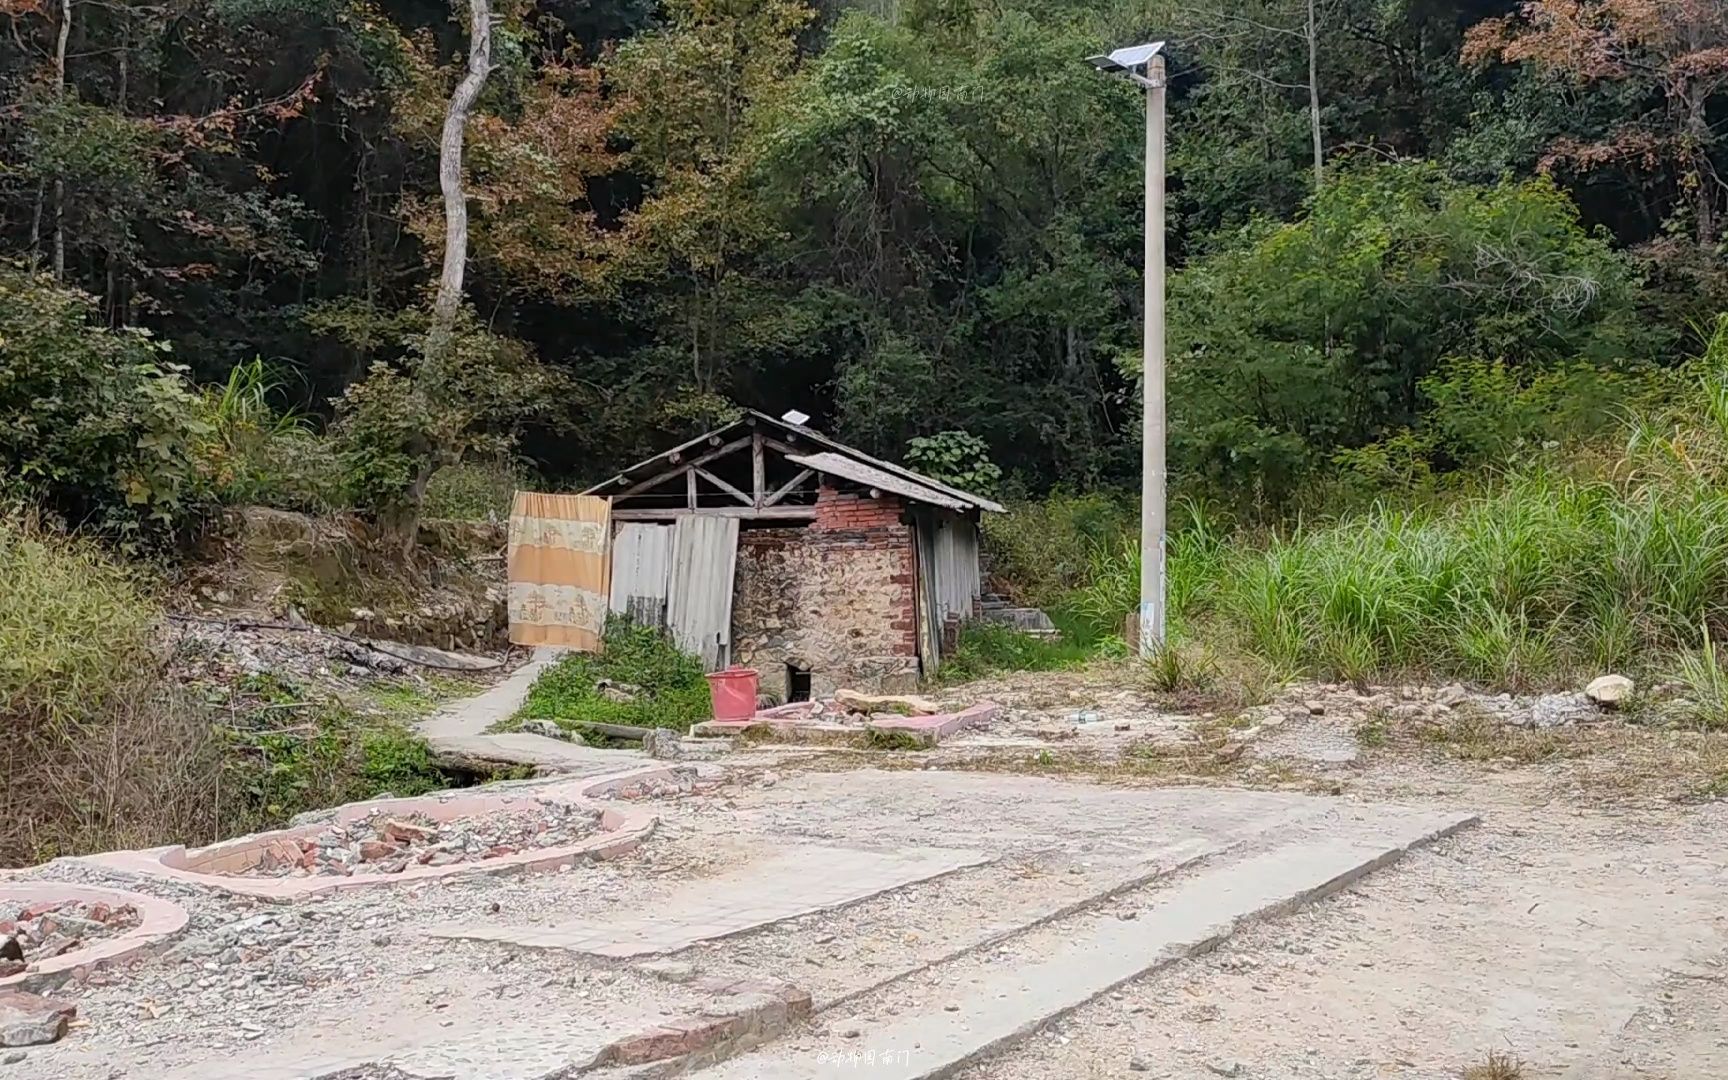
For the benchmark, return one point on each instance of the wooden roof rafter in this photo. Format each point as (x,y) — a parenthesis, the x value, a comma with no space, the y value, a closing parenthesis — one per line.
(761,432)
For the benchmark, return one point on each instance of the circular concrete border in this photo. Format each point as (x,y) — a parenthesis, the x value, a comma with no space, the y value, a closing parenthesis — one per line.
(621,830)
(158,919)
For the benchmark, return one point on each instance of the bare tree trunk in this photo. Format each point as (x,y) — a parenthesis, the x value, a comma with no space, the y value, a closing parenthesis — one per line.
(36,222)
(116,275)
(450,165)
(59,183)
(1313,36)
(404,521)
(1699,135)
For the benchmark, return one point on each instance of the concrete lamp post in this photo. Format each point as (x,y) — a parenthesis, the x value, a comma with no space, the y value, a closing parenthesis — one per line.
(1144,66)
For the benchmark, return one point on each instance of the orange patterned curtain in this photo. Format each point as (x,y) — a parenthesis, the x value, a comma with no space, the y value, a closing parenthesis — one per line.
(560,569)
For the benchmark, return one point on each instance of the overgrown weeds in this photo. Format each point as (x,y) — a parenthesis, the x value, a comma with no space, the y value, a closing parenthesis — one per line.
(1474,736)
(473,491)
(1567,567)
(1371,732)
(1701,672)
(100,749)
(1178,667)
(1044,551)
(251,453)
(986,648)
(640,680)
(106,749)
(889,739)
(287,751)
(1563,568)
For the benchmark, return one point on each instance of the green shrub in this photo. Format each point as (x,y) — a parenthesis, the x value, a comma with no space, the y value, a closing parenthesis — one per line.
(445,399)
(670,690)
(959,458)
(1292,342)
(473,491)
(95,424)
(1042,551)
(250,454)
(74,626)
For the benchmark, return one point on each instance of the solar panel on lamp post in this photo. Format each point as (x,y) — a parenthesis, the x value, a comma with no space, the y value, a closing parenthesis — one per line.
(1144,65)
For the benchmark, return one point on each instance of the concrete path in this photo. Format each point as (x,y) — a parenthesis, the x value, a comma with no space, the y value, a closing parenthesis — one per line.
(975,1008)
(789,884)
(459,728)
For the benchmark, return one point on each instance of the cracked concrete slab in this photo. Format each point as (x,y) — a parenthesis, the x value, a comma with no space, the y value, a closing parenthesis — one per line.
(987,1005)
(784,886)
(353,981)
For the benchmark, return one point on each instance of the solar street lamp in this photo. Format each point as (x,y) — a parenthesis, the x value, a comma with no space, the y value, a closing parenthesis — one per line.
(1144,66)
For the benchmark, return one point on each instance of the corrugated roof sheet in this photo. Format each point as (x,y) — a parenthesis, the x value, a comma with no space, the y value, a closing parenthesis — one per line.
(870,476)
(967,497)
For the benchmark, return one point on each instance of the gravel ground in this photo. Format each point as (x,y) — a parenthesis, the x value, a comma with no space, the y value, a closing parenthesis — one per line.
(1558,940)
(1581,927)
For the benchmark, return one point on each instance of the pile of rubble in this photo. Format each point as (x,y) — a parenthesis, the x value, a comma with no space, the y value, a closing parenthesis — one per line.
(382,844)
(675,782)
(854,708)
(51,928)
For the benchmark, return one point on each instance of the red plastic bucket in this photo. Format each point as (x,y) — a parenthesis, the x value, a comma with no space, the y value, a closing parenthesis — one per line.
(734,693)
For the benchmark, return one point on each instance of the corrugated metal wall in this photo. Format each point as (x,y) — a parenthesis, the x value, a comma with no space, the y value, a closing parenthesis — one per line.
(641,570)
(699,598)
(958,578)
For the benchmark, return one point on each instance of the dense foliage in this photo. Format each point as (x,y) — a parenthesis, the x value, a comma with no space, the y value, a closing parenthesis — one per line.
(1611,554)
(908,219)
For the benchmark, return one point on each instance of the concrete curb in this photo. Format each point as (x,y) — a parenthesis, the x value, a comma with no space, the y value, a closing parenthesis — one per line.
(622,830)
(1097,899)
(745,1013)
(159,920)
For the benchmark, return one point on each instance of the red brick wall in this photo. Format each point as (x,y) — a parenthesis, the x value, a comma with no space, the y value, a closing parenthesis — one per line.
(856,511)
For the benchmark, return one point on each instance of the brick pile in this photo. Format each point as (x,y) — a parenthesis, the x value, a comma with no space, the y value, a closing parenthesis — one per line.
(383,844)
(51,928)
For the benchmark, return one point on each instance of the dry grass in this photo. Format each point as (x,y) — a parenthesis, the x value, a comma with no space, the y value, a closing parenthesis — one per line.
(1473,736)
(1498,1066)
(144,769)
(100,750)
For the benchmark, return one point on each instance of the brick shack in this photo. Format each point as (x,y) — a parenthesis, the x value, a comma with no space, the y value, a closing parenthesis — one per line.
(769,545)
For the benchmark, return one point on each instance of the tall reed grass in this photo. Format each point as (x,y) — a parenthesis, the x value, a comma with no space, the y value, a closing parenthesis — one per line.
(1618,563)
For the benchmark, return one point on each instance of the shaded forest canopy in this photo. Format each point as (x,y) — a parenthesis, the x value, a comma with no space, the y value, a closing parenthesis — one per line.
(903,217)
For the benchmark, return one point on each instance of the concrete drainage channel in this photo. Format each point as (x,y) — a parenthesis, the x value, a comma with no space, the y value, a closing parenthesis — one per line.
(938,1019)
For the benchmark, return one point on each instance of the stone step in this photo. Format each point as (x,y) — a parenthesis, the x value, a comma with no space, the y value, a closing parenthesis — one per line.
(982,1005)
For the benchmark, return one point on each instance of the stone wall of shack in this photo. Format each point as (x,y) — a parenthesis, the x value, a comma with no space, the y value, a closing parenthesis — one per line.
(836,598)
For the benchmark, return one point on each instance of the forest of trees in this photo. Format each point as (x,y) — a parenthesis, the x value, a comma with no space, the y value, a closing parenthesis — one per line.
(1392,221)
